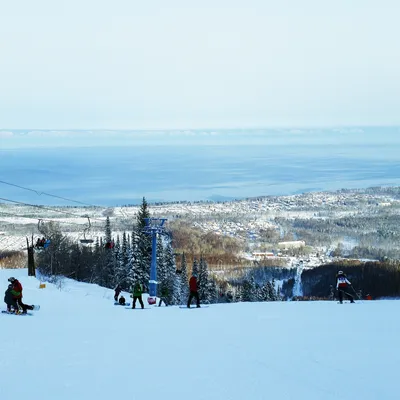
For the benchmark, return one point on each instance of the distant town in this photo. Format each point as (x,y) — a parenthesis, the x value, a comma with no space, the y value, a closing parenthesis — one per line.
(311,228)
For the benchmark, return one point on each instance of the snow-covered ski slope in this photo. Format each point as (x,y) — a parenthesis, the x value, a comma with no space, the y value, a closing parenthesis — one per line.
(81,346)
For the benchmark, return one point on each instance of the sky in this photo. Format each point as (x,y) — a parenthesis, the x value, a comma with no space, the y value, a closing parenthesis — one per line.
(127,64)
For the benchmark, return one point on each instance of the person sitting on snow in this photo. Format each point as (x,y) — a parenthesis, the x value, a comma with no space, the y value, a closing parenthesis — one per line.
(17,294)
(12,305)
(121,300)
(342,283)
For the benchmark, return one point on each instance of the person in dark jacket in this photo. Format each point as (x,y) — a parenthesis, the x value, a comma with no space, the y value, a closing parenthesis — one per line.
(17,294)
(137,291)
(118,290)
(342,285)
(163,296)
(193,291)
(9,299)
(121,301)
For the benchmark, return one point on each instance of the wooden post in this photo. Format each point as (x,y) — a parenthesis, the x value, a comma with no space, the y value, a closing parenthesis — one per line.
(31,259)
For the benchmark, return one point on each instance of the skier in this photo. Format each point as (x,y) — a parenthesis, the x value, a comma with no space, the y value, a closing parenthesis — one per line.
(193,291)
(118,290)
(342,283)
(163,296)
(12,305)
(121,301)
(17,294)
(137,291)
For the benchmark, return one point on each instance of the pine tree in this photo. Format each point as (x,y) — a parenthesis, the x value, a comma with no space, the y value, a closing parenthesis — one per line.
(271,291)
(248,290)
(120,273)
(107,230)
(213,291)
(202,282)
(142,249)
(124,253)
(195,267)
(125,261)
(274,294)
(265,292)
(131,268)
(173,283)
(162,273)
(184,289)
(134,270)
(258,293)
(98,262)
(110,264)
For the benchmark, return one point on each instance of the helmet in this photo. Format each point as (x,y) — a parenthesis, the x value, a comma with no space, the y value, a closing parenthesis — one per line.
(340,273)
(12,279)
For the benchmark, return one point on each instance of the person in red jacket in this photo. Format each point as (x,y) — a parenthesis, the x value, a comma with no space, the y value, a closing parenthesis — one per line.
(193,291)
(17,294)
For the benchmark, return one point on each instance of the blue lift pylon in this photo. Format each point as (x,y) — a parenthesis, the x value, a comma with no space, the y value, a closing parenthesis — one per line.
(153,227)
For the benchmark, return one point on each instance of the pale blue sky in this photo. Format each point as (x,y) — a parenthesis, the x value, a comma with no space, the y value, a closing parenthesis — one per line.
(127,64)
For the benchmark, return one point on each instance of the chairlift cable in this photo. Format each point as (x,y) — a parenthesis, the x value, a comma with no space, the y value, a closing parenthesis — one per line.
(48,209)
(34,219)
(39,193)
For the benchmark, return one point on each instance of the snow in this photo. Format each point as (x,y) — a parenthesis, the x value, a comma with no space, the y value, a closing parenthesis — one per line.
(81,346)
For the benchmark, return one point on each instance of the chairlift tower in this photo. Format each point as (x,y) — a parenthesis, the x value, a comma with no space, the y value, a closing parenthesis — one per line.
(153,227)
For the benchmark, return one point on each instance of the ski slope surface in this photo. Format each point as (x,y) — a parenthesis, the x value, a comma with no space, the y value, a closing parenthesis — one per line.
(81,346)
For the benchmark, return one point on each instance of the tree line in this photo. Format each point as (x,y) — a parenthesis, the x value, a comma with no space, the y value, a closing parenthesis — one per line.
(126,260)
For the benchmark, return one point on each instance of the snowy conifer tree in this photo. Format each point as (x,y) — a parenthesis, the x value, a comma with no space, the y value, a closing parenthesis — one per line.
(142,250)
(110,264)
(265,292)
(162,273)
(172,281)
(212,291)
(273,293)
(134,271)
(121,272)
(124,253)
(131,266)
(205,289)
(248,292)
(195,267)
(184,288)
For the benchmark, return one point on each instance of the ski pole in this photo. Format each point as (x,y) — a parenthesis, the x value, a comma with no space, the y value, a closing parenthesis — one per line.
(354,290)
(348,294)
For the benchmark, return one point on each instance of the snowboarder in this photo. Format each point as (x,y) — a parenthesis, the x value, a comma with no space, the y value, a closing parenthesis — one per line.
(137,291)
(16,292)
(121,301)
(12,305)
(163,296)
(118,290)
(193,291)
(342,283)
